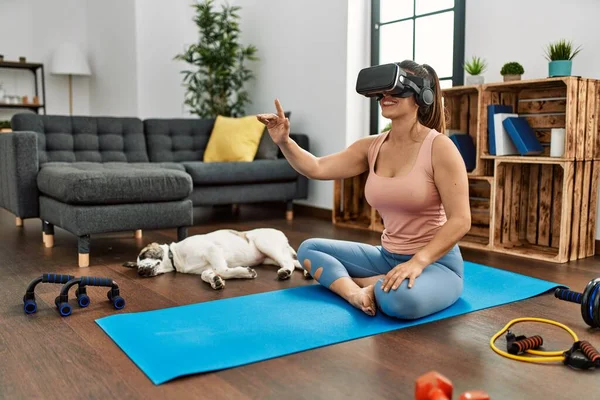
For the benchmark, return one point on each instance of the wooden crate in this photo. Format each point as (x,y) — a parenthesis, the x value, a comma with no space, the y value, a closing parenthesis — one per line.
(462,104)
(350,209)
(533,205)
(566,102)
(585,203)
(480,198)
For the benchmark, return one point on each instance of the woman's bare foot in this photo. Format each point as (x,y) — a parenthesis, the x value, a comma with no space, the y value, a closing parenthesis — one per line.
(364,299)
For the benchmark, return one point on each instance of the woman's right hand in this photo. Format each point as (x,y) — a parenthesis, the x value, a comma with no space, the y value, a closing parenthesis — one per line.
(277,124)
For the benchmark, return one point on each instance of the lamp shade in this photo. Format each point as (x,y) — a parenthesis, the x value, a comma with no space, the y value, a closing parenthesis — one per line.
(68,59)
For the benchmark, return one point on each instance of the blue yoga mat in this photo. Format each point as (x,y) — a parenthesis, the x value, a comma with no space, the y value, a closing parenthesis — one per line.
(173,342)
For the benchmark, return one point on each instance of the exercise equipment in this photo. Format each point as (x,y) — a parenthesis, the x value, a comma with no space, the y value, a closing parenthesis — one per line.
(435,386)
(589,300)
(68,281)
(29,303)
(581,355)
(62,300)
(395,81)
(226,333)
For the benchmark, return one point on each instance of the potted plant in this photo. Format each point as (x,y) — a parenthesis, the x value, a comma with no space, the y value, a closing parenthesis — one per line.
(218,73)
(512,71)
(560,55)
(475,67)
(5,126)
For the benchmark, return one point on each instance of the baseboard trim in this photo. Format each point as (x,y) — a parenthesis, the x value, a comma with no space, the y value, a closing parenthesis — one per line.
(312,211)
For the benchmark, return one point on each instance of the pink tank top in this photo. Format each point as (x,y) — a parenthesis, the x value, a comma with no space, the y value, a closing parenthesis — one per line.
(410,205)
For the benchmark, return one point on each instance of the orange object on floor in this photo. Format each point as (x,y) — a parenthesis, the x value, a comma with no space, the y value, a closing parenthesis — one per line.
(435,386)
(474,395)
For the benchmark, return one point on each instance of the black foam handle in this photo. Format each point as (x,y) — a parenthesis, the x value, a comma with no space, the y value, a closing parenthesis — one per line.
(56,278)
(96,281)
(568,295)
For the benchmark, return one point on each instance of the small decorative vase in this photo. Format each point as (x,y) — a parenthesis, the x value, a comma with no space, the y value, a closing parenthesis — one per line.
(559,68)
(509,78)
(475,79)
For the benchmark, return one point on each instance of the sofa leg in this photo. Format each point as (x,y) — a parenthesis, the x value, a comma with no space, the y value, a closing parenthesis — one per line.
(48,234)
(18,221)
(138,234)
(182,233)
(83,247)
(235,209)
(289,214)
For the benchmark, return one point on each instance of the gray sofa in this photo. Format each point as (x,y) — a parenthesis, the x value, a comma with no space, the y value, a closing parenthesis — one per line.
(92,175)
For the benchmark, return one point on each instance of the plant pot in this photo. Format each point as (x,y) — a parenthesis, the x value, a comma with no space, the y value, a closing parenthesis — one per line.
(559,68)
(509,78)
(475,80)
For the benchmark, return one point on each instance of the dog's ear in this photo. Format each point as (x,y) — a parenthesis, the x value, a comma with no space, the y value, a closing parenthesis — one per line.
(130,264)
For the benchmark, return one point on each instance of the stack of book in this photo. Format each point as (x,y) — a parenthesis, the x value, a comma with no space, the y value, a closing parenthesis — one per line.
(509,134)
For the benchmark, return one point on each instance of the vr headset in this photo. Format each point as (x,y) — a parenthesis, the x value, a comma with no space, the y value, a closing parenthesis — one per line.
(392,80)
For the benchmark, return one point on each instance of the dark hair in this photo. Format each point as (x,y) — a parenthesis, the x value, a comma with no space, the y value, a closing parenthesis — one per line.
(432,116)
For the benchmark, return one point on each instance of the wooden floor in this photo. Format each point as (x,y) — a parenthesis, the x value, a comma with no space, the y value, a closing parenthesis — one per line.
(43,356)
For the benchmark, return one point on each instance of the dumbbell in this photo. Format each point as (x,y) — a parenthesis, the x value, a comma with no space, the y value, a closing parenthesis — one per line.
(435,386)
(589,300)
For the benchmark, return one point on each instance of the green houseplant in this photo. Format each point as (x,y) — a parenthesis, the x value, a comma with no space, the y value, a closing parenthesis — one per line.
(512,71)
(218,72)
(475,67)
(560,55)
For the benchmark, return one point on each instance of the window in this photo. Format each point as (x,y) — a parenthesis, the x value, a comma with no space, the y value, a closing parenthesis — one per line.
(427,31)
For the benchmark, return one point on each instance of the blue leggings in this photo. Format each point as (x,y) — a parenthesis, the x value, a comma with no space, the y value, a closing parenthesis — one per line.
(438,287)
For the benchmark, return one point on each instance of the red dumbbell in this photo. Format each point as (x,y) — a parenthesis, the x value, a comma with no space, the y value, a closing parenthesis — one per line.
(433,386)
(474,395)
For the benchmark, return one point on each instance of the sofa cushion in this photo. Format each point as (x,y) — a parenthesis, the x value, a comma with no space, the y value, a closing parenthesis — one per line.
(234,139)
(79,138)
(113,183)
(177,139)
(240,172)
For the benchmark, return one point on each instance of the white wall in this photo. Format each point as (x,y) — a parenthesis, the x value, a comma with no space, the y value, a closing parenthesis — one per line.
(302,49)
(486,36)
(34,29)
(538,22)
(112,36)
(164,28)
(358,49)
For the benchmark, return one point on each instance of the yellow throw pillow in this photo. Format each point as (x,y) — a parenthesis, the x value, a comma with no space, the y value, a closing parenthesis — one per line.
(234,139)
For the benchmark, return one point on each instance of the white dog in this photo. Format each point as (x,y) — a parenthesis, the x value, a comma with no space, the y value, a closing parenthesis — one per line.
(220,255)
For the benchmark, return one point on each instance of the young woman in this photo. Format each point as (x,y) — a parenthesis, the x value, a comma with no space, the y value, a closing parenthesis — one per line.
(417,180)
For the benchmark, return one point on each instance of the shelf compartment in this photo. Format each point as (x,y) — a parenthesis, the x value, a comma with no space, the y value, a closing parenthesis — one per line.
(462,106)
(350,209)
(480,196)
(570,102)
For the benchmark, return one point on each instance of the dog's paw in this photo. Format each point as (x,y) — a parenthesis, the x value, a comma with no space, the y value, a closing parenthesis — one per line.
(307,275)
(252,272)
(217,283)
(284,273)
(130,264)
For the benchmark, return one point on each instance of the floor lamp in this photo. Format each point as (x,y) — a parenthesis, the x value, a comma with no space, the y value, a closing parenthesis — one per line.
(69,60)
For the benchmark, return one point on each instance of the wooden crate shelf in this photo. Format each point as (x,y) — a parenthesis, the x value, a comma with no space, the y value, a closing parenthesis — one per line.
(462,106)
(480,195)
(538,207)
(571,103)
(350,208)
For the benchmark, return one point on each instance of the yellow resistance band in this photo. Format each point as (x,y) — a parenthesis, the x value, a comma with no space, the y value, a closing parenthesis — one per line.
(545,356)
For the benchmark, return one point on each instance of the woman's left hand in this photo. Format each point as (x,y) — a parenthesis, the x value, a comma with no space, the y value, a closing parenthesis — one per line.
(410,269)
